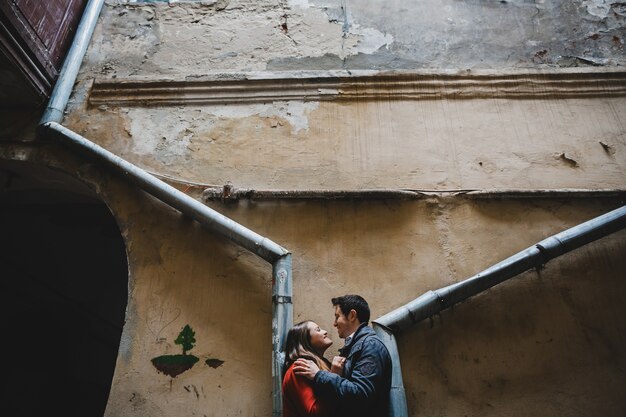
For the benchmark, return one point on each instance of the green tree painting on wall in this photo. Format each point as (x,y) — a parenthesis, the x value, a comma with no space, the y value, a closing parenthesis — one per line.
(174,365)
(186,338)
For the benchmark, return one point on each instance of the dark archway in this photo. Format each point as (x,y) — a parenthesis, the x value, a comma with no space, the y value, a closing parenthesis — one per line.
(64,284)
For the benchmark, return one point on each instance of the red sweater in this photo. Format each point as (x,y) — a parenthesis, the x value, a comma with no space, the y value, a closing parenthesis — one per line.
(299,399)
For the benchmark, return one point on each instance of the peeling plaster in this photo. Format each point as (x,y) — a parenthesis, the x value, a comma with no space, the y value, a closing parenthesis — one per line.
(247,36)
(303,4)
(356,37)
(295,112)
(173,139)
(177,128)
(370,40)
(599,8)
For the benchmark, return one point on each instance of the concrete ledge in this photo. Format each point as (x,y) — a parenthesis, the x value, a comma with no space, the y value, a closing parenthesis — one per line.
(367,85)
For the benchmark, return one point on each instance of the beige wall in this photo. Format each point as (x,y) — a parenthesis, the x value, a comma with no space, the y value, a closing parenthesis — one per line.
(546,343)
(549,342)
(385,143)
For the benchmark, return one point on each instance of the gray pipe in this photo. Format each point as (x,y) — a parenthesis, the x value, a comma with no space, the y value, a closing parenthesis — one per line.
(189,206)
(282,320)
(397,396)
(432,302)
(282,308)
(71,65)
(265,248)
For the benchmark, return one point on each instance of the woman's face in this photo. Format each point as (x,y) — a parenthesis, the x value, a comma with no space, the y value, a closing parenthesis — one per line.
(319,338)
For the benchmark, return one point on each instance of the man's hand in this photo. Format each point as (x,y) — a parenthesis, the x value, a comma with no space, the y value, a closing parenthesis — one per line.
(306,368)
(337,365)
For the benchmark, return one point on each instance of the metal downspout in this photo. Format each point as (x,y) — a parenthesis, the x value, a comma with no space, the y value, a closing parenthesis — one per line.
(397,396)
(279,257)
(282,320)
(71,65)
(433,302)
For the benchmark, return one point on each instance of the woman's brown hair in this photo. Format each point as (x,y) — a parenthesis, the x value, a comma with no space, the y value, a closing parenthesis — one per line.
(298,345)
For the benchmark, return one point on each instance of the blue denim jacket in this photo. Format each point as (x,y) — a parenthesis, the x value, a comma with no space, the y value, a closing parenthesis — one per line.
(363,390)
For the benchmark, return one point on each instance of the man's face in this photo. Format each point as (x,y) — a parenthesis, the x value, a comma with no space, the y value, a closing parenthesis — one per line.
(343,325)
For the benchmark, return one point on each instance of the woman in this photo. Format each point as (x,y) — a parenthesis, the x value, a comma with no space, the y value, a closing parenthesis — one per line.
(305,340)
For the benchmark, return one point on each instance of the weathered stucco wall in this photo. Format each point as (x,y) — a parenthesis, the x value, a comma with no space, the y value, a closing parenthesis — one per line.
(249,35)
(397,139)
(435,144)
(547,343)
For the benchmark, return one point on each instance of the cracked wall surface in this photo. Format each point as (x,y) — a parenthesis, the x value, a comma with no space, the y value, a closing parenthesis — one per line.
(244,35)
(545,344)
(389,142)
(392,144)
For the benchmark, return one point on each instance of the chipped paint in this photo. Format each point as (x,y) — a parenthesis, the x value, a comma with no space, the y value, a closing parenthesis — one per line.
(172,141)
(303,4)
(598,8)
(247,35)
(369,40)
(294,112)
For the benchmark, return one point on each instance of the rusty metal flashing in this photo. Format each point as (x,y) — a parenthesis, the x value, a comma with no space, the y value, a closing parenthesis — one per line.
(229,194)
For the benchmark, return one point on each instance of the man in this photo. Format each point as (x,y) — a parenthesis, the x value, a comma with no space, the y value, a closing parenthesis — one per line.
(363,387)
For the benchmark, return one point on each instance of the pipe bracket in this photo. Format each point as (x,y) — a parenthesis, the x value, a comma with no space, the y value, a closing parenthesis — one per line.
(281,299)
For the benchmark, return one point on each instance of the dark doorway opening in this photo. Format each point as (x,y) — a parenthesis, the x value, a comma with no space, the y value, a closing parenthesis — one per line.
(64,285)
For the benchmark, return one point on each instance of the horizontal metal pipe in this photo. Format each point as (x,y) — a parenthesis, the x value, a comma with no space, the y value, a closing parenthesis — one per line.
(432,302)
(71,65)
(229,193)
(244,237)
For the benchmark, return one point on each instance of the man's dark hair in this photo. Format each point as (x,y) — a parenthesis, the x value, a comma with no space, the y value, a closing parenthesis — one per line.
(353,302)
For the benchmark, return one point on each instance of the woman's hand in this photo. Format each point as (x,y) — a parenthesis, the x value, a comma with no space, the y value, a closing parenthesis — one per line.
(306,368)
(337,365)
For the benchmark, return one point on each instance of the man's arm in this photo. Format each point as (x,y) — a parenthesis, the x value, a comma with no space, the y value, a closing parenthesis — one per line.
(367,377)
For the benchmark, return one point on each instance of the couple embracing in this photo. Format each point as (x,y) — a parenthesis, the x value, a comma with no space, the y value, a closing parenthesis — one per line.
(356,383)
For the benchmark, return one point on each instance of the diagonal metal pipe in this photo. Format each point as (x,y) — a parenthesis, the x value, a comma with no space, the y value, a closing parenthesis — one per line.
(433,302)
(189,206)
(279,257)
